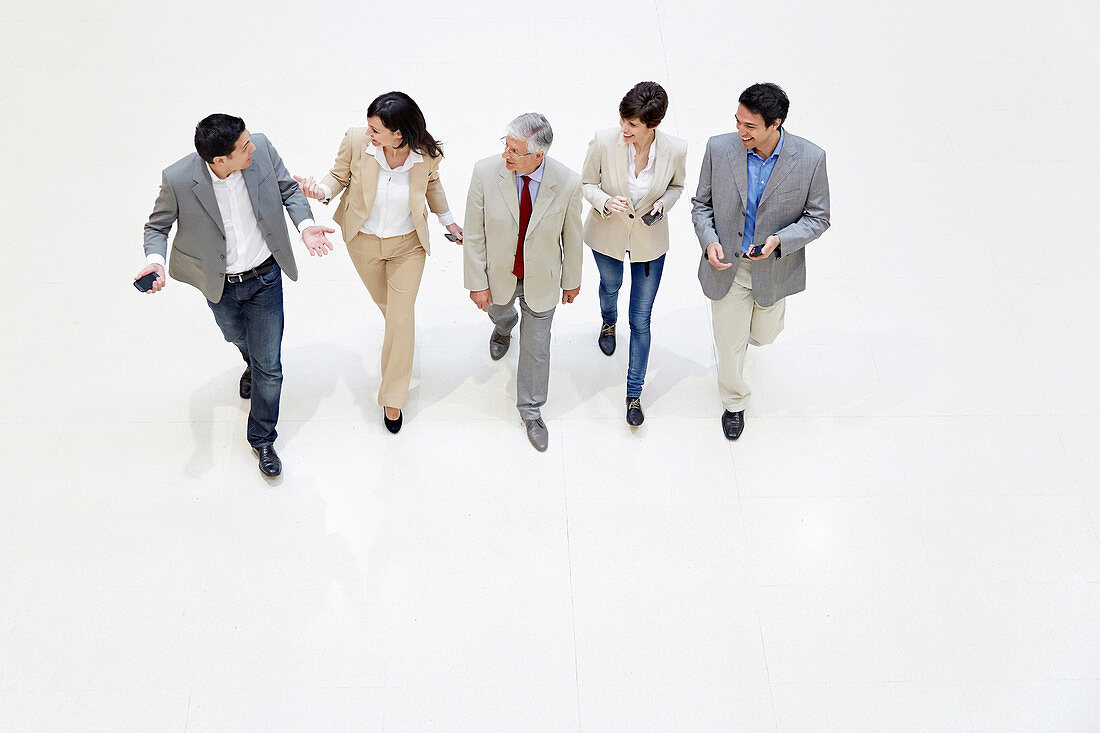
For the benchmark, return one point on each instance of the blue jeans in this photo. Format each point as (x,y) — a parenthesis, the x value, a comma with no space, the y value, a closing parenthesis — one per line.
(250,315)
(645,278)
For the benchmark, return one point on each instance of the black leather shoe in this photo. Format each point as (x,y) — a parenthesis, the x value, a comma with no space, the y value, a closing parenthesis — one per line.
(270,465)
(392,425)
(607,339)
(634,415)
(246,384)
(733,423)
(498,345)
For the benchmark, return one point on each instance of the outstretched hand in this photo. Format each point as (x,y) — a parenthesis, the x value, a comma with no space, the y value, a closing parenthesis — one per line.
(316,241)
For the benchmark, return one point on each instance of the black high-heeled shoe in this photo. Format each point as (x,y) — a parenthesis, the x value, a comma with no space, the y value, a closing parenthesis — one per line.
(392,425)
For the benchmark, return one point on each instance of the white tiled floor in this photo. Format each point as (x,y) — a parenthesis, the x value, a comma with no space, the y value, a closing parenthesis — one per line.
(906,537)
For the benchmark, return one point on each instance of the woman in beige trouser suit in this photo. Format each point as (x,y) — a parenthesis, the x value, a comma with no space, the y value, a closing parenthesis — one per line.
(387,171)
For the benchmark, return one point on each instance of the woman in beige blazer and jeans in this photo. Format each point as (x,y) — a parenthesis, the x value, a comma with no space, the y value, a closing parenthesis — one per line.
(632,171)
(387,172)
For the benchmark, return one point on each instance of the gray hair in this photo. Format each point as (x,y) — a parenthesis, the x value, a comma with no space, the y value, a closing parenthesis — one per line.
(535,129)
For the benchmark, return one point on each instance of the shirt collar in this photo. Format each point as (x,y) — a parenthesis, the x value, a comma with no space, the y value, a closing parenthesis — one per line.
(214,178)
(776,152)
(536,175)
(413,159)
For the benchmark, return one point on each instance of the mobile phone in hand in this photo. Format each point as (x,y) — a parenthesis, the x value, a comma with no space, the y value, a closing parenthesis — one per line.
(650,219)
(756,250)
(452,237)
(143,284)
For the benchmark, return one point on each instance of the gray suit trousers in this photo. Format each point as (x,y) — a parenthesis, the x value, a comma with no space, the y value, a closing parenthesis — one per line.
(533,373)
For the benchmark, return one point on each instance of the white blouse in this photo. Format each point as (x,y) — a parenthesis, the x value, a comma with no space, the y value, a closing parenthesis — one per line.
(391,214)
(638,185)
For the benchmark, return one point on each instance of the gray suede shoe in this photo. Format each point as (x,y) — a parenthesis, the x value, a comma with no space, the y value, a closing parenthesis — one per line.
(537,434)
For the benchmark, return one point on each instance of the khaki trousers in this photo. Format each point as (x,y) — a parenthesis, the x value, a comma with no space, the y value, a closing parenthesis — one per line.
(391,269)
(739,321)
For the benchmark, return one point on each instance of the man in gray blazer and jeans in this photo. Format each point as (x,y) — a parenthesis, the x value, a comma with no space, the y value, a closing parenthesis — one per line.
(226,200)
(763,196)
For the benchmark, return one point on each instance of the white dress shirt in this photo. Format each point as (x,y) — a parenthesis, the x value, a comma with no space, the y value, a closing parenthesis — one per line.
(638,185)
(391,212)
(245,247)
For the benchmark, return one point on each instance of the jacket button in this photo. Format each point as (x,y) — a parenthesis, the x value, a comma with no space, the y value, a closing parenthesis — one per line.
(740,233)
(631,216)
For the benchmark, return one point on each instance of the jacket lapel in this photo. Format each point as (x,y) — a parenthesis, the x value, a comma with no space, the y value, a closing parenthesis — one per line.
(507,186)
(621,166)
(547,192)
(660,173)
(252,183)
(737,154)
(368,172)
(783,168)
(204,192)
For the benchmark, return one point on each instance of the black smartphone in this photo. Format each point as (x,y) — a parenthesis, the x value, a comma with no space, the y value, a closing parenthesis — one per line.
(650,219)
(452,237)
(143,284)
(756,250)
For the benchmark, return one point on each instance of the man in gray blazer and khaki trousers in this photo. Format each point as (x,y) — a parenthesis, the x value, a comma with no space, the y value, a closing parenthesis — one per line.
(226,201)
(763,196)
(523,242)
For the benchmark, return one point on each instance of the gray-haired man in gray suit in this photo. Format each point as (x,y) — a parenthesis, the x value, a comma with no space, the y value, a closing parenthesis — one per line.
(226,201)
(763,196)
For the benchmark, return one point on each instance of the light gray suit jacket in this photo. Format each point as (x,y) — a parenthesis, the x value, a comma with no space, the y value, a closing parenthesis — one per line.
(187,199)
(794,205)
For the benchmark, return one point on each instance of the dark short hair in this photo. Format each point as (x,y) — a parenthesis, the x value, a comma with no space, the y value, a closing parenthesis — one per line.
(647,101)
(768,101)
(217,135)
(400,113)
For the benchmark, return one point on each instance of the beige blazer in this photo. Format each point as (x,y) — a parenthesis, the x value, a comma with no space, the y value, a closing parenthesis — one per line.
(605,175)
(356,174)
(552,249)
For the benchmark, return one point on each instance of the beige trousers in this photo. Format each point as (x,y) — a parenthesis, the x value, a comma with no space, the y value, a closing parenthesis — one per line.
(391,270)
(739,321)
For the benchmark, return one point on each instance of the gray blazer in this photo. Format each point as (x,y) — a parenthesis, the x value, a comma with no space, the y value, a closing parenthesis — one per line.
(187,199)
(794,205)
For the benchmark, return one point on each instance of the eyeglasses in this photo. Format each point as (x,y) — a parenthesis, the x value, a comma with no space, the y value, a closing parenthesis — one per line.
(509,152)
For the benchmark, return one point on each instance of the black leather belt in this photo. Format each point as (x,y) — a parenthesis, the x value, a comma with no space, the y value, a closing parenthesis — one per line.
(261,269)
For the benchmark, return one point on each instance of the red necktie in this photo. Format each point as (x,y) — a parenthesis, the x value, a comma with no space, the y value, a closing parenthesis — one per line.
(524,218)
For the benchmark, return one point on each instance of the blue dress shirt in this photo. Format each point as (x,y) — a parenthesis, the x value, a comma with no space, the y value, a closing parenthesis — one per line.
(760,171)
(533,186)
